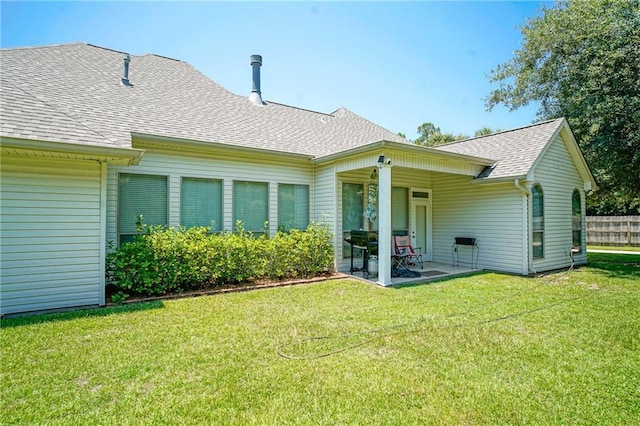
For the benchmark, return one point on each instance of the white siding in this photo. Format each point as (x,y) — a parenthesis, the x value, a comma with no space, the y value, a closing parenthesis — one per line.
(492,214)
(558,177)
(50,253)
(326,200)
(208,166)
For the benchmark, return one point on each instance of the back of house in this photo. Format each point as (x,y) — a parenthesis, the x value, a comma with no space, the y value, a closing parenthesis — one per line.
(91,138)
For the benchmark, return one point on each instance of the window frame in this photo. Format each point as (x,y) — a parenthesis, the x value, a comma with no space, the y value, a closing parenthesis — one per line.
(220,202)
(346,247)
(292,224)
(263,230)
(540,231)
(119,231)
(576,220)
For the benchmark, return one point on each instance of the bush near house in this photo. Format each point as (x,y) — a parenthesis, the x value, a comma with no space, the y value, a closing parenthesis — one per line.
(172,260)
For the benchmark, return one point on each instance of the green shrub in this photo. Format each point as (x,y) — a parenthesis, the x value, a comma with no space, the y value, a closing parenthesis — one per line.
(170,260)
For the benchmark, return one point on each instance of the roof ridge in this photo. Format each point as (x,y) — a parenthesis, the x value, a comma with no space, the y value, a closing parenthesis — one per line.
(160,56)
(299,108)
(106,48)
(369,122)
(75,43)
(539,123)
(58,110)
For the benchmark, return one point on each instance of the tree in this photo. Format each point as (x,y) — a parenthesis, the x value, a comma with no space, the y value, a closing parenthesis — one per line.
(581,60)
(485,131)
(430,135)
(425,130)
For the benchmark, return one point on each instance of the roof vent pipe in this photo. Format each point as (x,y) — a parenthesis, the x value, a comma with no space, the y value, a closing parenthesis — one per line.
(125,72)
(256,96)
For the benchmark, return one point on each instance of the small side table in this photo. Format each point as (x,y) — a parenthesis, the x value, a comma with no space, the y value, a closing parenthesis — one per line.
(465,243)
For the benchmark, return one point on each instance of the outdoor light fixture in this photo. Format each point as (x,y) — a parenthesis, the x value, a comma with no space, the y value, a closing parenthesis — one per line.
(382,160)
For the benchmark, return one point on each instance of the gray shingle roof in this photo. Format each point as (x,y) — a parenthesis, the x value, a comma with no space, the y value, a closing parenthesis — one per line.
(515,151)
(26,117)
(73,93)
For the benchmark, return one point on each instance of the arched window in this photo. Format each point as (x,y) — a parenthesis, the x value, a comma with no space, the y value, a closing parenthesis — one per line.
(537,222)
(576,220)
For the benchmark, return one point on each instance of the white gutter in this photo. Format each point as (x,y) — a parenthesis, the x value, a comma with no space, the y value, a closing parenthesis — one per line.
(527,260)
(524,188)
(110,154)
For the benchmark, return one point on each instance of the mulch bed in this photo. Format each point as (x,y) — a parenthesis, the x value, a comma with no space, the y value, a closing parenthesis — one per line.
(230,288)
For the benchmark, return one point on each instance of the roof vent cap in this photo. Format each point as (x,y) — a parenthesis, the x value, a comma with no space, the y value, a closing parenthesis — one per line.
(256,96)
(125,71)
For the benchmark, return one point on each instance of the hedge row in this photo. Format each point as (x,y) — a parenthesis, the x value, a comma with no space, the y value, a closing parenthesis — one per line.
(172,260)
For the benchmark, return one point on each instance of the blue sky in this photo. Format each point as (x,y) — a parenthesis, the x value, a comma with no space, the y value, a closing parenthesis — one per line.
(398,64)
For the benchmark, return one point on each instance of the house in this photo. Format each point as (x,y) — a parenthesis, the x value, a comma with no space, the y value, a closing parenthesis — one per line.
(92,137)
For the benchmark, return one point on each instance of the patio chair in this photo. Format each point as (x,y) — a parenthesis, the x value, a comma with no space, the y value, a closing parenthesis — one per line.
(405,256)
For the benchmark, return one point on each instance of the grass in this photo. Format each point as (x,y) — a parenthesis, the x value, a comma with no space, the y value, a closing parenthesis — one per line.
(485,349)
(612,248)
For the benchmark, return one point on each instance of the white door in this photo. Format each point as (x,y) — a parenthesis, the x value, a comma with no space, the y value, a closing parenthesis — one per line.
(421,223)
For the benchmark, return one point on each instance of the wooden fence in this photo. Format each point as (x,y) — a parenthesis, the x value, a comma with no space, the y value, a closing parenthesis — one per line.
(613,230)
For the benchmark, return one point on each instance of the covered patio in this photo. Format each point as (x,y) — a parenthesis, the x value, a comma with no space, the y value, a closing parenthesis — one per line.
(388,189)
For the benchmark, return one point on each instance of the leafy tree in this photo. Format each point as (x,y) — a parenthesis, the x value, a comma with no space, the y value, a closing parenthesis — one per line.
(581,60)
(430,135)
(442,138)
(402,135)
(425,130)
(486,131)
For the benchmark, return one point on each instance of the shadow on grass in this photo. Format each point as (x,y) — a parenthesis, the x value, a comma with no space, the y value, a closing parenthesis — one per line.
(18,321)
(616,265)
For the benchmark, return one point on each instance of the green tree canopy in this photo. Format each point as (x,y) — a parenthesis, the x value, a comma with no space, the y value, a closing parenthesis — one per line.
(581,59)
(430,135)
(484,131)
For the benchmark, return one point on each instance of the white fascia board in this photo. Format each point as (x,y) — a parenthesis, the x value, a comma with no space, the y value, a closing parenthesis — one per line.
(108,154)
(487,181)
(401,146)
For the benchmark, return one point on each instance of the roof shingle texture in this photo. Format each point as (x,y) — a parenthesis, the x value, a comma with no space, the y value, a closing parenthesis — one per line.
(73,93)
(515,151)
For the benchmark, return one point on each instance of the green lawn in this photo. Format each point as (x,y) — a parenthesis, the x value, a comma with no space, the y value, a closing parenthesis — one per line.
(610,248)
(486,349)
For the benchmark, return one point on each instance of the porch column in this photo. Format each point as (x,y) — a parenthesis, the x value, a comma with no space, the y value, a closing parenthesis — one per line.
(384,222)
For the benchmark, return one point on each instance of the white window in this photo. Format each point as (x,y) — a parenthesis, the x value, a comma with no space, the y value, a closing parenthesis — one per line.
(293,206)
(251,205)
(537,219)
(140,195)
(400,211)
(576,220)
(201,203)
(352,211)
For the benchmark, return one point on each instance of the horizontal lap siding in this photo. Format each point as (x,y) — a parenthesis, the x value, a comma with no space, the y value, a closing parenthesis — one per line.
(490,213)
(325,204)
(50,249)
(211,167)
(558,177)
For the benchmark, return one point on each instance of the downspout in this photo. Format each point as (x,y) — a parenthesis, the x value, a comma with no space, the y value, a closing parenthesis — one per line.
(102,282)
(527,260)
